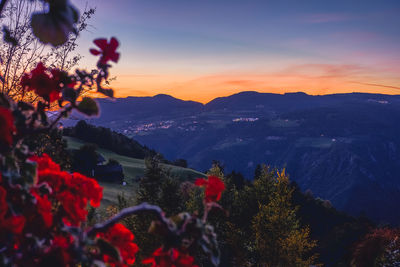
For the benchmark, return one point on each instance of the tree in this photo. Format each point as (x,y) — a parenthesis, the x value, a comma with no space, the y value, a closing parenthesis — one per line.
(85,159)
(180,163)
(279,238)
(21,51)
(150,183)
(380,247)
(159,188)
(52,144)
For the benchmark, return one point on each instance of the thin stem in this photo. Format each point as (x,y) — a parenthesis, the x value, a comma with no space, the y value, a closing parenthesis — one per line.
(59,117)
(101,227)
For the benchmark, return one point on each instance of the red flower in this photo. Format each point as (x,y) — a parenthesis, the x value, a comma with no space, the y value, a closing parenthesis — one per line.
(214,187)
(72,191)
(122,238)
(59,252)
(62,241)
(44,84)
(185,260)
(170,258)
(45,163)
(74,207)
(55,179)
(3,202)
(87,187)
(107,50)
(14,224)
(7,127)
(43,206)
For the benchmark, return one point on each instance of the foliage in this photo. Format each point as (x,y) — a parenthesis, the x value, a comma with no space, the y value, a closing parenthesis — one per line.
(85,160)
(279,240)
(259,225)
(52,144)
(380,247)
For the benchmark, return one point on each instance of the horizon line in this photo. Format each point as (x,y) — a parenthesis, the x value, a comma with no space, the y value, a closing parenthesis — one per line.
(249,91)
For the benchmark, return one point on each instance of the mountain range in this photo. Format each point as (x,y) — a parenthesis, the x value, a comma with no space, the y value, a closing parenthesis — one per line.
(343,147)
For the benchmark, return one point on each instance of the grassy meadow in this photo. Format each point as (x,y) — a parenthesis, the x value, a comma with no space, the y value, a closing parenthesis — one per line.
(133,170)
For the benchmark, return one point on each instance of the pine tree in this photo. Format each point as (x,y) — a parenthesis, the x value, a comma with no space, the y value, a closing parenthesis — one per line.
(150,184)
(279,238)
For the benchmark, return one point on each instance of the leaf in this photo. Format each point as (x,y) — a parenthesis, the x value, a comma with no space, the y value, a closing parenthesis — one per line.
(69,94)
(48,30)
(106,248)
(88,106)
(29,171)
(55,26)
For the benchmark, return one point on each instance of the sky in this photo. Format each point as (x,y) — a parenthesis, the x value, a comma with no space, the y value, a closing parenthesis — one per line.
(202,49)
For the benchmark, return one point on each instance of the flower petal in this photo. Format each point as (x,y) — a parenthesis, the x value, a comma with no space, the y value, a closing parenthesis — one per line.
(94,52)
(102,43)
(113,43)
(200,182)
(114,57)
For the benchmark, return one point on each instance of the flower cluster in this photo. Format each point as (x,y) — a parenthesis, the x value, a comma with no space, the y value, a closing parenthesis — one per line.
(170,258)
(72,191)
(119,236)
(46,83)
(55,202)
(213,188)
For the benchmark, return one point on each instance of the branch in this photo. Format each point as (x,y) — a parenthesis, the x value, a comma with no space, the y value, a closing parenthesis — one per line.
(2,4)
(67,109)
(101,227)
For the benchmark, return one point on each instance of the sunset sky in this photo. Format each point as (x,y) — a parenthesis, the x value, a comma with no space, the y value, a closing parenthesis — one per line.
(201,49)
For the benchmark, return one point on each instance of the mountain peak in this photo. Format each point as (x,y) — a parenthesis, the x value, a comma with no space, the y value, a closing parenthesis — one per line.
(164,96)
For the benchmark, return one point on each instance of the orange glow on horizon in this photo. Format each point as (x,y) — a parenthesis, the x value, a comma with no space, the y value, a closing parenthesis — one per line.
(205,88)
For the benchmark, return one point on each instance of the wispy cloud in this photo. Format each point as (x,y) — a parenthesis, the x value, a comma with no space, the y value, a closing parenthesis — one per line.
(378,85)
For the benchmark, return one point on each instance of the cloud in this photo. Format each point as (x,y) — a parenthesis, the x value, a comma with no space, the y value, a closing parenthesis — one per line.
(379,85)
(325,70)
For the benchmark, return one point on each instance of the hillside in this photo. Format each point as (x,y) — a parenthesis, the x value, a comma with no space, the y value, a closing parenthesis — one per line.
(343,147)
(323,219)
(133,170)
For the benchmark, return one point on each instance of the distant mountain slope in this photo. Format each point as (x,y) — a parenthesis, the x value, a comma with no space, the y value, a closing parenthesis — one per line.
(344,147)
(133,167)
(108,139)
(133,109)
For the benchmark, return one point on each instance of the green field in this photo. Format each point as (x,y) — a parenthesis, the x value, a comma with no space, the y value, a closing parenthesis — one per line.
(133,170)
